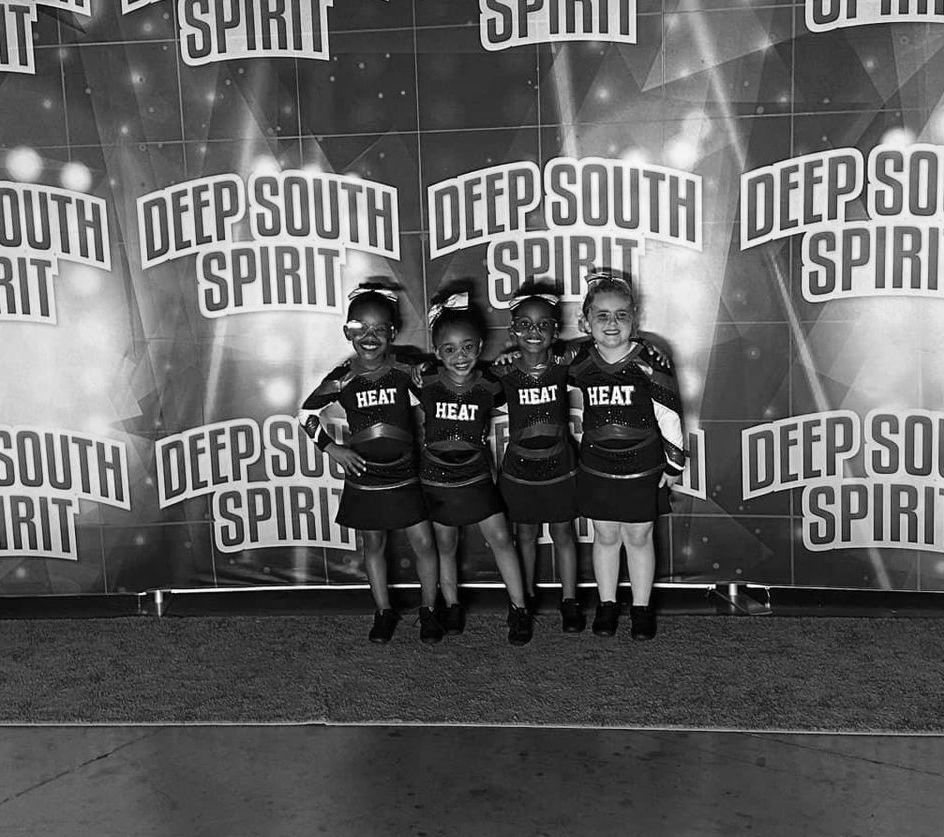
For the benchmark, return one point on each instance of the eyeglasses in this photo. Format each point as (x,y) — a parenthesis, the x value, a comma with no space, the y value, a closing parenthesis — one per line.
(620,316)
(469,349)
(356,329)
(522,326)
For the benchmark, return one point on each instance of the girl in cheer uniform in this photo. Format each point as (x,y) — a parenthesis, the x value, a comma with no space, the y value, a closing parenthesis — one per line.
(381,481)
(631,452)
(538,472)
(457,400)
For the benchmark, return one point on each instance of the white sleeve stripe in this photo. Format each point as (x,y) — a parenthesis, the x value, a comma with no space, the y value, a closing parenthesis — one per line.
(670,425)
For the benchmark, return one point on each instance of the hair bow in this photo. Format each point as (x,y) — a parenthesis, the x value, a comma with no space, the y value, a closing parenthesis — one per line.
(600,275)
(455,302)
(548,298)
(386,293)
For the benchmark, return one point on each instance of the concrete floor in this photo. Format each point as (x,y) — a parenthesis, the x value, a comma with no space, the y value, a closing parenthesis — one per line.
(427,782)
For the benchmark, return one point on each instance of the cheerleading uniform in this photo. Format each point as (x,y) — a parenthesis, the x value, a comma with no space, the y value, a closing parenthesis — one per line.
(632,434)
(379,407)
(538,472)
(454,468)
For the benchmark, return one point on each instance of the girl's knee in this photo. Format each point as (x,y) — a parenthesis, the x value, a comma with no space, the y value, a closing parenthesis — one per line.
(424,543)
(447,538)
(499,539)
(606,534)
(374,540)
(495,530)
(527,532)
(421,538)
(562,534)
(638,534)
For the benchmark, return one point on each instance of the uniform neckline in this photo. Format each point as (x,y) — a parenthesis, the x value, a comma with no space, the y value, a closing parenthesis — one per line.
(358,368)
(629,357)
(452,385)
(534,372)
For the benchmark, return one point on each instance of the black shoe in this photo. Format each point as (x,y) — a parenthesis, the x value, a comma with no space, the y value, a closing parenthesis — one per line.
(430,629)
(531,603)
(643,619)
(385,623)
(453,619)
(606,619)
(520,625)
(573,620)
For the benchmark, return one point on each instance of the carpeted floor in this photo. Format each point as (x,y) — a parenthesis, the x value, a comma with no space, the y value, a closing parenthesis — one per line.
(717,672)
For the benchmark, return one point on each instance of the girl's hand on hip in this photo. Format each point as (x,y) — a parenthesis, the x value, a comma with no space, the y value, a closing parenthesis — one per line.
(669,480)
(351,462)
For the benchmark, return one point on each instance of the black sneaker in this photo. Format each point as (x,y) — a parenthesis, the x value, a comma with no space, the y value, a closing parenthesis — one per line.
(430,629)
(573,620)
(385,623)
(520,625)
(531,603)
(643,619)
(453,619)
(606,619)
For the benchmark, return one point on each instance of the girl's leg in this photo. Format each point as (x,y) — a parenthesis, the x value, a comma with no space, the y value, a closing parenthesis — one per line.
(526,535)
(495,530)
(375,562)
(565,554)
(420,536)
(606,550)
(640,559)
(447,542)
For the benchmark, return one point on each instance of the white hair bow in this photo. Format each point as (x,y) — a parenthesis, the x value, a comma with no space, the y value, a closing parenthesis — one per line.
(455,302)
(600,275)
(548,298)
(386,293)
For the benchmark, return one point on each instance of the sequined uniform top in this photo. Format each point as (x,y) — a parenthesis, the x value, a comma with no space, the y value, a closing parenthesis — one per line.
(631,413)
(540,448)
(456,421)
(379,408)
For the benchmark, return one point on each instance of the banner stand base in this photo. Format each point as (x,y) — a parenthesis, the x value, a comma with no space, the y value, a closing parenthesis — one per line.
(740,600)
(708,598)
(156,602)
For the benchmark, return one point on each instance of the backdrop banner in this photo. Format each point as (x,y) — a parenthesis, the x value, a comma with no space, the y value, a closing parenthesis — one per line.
(190,189)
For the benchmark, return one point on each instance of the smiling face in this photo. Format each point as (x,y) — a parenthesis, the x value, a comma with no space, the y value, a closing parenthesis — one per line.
(371,331)
(534,326)
(458,346)
(609,320)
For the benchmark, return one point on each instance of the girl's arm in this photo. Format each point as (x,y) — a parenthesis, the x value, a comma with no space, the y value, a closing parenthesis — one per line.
(654,348)
(668,409)
(419,415)
(566,351)
(499,399)
(411,355)
(310,418)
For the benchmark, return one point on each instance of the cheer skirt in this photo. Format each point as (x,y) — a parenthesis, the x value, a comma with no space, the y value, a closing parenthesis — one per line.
(387,496)
(539,485)
(606,492)
(458,487)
